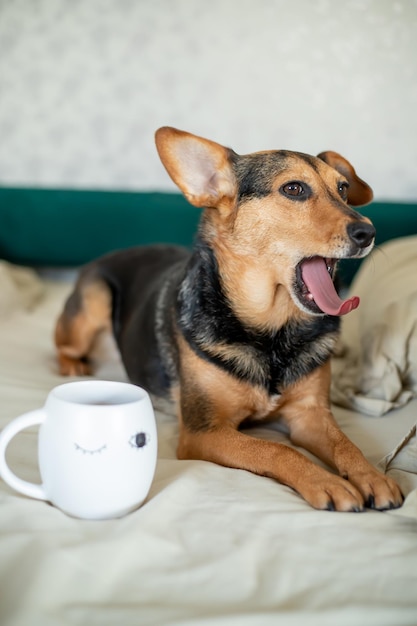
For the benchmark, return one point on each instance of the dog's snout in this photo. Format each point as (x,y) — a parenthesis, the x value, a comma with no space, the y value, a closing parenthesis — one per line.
(361,233)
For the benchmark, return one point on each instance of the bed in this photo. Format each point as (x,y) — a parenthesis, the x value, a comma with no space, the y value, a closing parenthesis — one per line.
(211,545)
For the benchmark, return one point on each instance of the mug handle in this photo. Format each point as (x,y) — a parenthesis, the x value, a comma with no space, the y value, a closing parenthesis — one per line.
(6,435)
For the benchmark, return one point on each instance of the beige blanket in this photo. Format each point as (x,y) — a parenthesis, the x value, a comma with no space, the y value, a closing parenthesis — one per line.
(379,370)
(211,546)
(20,289)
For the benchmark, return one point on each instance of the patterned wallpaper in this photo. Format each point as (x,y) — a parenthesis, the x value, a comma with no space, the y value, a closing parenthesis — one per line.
(85,83)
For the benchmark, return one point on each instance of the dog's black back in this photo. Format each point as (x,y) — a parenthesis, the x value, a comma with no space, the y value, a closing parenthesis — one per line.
(141,281)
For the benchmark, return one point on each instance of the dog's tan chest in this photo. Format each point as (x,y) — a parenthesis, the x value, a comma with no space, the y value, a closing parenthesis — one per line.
(267,406)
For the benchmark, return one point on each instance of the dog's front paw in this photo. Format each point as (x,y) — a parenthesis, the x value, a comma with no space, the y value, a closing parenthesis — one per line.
(379,491)
(332,493)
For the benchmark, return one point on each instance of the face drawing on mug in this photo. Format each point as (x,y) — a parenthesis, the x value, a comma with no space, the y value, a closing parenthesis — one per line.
(87,451)
(138,441)
(97,449)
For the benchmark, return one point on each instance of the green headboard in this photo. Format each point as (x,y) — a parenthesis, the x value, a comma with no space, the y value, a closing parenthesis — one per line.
(61,227)
(70,227)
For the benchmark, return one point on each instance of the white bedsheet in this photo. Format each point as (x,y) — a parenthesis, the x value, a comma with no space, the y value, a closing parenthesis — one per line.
(211,545)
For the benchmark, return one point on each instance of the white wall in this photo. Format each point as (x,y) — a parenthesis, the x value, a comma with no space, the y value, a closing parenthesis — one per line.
(84,84)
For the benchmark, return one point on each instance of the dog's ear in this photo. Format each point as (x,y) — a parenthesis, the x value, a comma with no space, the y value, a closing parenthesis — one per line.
(359,192)
(201,168)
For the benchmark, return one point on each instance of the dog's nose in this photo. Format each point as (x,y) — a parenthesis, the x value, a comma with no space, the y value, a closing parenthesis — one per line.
(361,233)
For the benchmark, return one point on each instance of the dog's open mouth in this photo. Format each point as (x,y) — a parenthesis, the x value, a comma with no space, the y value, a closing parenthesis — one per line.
(316,290)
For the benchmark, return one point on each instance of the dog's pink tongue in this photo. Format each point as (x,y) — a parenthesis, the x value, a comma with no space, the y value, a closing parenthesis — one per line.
(321,287)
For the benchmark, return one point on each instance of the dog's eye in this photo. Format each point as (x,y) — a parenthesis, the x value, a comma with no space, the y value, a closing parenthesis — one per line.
(293,189)
(343,190)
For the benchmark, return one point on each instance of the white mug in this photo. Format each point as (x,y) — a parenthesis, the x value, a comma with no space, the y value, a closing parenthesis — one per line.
(97,449)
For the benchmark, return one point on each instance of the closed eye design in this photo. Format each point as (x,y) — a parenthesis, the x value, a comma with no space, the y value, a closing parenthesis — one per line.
(87,451)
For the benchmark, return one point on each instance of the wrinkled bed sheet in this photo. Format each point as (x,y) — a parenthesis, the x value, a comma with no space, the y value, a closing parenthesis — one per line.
(211,545)
(380,339)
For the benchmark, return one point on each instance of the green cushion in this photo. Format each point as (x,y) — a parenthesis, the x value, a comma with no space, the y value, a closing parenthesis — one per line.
(67,228)
(59,227)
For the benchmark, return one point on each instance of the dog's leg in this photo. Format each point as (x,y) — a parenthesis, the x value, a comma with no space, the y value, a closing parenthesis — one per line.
(210,412)
(210,416)
(226,446)
(86,313)
(313,427)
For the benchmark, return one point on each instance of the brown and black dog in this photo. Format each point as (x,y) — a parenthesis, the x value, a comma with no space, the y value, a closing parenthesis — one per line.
(243,327)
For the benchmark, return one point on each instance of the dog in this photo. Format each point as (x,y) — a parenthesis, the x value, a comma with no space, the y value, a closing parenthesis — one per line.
(241,329)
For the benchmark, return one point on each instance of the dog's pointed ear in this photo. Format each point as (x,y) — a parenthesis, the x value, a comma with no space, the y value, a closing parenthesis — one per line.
(202,169)
(359,192)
